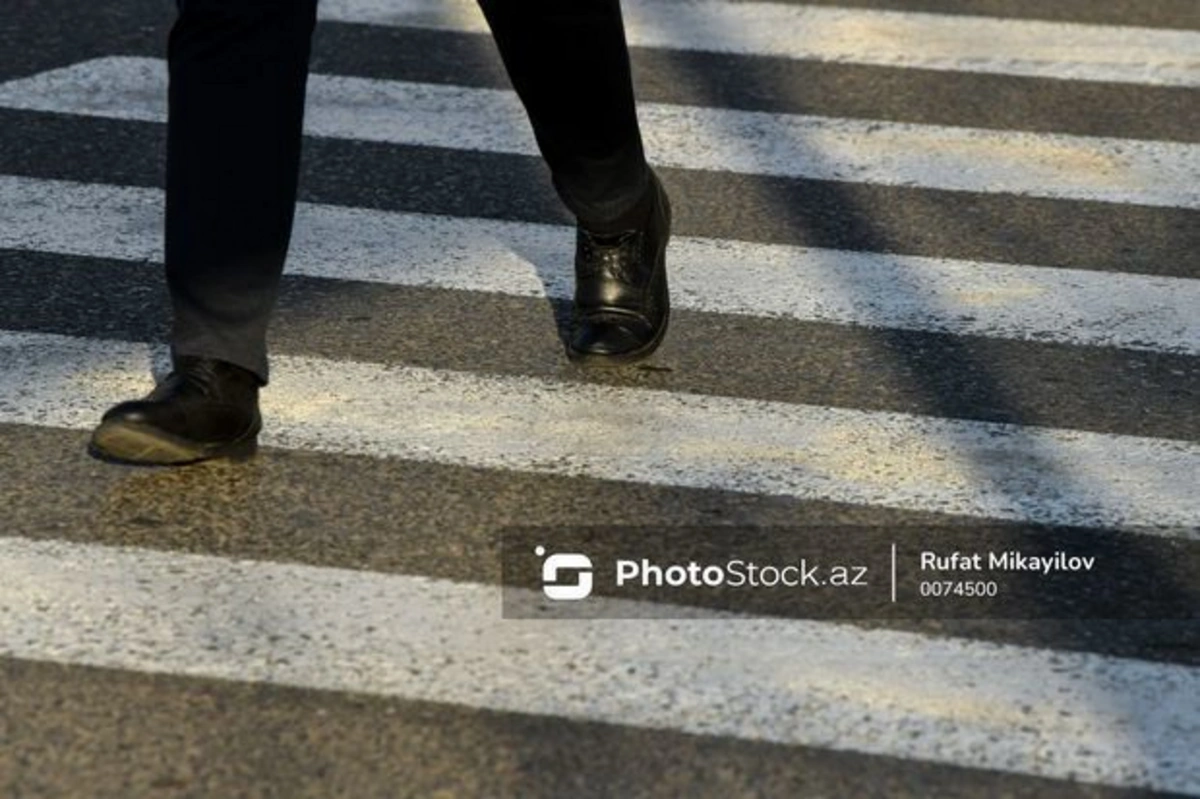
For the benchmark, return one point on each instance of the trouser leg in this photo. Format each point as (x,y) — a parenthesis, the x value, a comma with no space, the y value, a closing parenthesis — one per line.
(238,70)
(569,63)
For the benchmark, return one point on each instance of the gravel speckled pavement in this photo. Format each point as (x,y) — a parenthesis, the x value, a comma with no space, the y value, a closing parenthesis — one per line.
(937,262)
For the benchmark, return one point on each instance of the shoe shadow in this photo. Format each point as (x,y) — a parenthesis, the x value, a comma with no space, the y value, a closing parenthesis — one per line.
(549,251)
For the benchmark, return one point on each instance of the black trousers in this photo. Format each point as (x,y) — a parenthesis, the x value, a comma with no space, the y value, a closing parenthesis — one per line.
(238,70)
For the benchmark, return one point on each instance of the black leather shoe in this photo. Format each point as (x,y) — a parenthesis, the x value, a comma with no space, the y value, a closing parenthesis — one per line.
(621,303)
(204,409)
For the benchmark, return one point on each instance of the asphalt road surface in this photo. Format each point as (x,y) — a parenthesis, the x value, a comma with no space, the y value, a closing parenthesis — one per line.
(936,266)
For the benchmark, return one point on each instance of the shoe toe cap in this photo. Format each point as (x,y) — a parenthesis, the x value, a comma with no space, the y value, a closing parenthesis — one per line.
(611,336)
(135,411)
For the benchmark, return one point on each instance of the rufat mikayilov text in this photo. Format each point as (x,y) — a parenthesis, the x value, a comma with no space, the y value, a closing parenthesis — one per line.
(738,573)
(1011,560)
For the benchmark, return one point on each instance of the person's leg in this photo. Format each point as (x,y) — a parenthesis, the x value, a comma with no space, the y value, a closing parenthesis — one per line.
(569,63)
(238,70)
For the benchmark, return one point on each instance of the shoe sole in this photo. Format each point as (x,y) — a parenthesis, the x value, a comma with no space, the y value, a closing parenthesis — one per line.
(584,358)
(122,442)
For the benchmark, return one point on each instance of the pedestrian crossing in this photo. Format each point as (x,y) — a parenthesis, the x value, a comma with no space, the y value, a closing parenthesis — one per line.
(1032,303)
(964,468)
(896,154)
(1031,442)
(859,35)
(855,688)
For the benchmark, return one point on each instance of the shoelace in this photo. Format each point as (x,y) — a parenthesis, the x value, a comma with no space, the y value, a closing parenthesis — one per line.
(189,372)
(610,256)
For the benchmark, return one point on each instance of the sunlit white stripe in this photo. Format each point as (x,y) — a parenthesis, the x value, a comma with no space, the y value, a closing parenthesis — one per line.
(1053,714)
(955,42)
(653,436)
(965,297)
(491,120)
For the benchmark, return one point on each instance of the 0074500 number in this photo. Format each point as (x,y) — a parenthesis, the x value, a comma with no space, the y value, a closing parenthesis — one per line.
(936,588)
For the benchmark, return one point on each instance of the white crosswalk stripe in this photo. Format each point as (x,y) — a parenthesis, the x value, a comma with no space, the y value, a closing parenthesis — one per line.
(491,120)
(1037,712)
(1071,306)
(1051,714)
(895,460)
(858,35)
